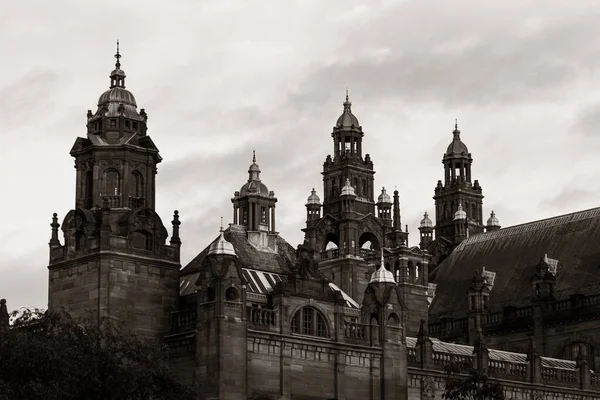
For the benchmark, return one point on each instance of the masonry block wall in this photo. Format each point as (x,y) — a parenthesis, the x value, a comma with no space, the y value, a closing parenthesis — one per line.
(141,292)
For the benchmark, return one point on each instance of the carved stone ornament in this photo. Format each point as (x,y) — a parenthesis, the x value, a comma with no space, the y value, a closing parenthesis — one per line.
(428,388)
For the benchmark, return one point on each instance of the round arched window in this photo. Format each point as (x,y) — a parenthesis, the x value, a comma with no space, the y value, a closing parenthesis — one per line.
(309,321)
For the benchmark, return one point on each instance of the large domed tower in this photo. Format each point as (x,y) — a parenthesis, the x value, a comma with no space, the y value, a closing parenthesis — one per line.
(458,189)
(115,261)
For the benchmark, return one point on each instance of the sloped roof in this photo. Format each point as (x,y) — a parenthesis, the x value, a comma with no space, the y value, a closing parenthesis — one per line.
(259,282)
(250,256)
(499,355)
(513,253)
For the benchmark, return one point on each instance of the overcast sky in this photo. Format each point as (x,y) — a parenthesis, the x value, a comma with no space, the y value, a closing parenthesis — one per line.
(220,78)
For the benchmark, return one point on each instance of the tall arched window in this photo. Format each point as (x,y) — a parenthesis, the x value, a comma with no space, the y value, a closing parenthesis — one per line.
(309,321)
(136,185)
(111,183)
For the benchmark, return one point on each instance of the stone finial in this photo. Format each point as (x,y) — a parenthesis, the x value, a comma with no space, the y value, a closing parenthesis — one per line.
(55,225)
(175,240)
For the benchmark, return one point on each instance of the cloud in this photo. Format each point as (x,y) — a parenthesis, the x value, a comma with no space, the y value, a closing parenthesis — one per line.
(572,197)
(469,53)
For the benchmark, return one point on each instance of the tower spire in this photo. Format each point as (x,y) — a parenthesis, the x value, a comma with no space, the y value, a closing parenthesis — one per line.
(253,156)
(347,103)
(118,57)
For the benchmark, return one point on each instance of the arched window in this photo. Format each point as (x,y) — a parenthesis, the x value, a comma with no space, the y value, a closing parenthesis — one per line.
(136,185)
(417,272)
(111,183)
(309,321)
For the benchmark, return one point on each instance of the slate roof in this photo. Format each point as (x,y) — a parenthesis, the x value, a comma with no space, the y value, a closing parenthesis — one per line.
(259,282)
(497,355)
(513,253)
(248,255)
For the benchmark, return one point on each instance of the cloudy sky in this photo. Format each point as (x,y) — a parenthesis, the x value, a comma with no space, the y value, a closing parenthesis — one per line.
(220,78)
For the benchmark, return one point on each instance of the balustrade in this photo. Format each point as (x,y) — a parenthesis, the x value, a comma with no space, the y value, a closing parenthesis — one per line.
(262,316)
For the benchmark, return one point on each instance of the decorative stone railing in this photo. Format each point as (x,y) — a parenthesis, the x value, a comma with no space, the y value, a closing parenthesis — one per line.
(183,321)
(330,254)
(355,330)
(113,201)
(263,316)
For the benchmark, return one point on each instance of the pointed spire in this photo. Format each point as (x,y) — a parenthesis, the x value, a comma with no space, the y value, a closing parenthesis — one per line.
(175,240)
(347,103)
(117,76)
(456,132)
(254,170)
(118,57)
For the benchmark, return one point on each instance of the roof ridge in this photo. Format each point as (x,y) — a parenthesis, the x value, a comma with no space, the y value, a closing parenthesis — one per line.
(531,226)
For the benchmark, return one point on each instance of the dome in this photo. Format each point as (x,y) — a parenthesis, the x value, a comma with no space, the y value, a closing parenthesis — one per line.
(347,119)
(456,146)
(117,100)
(492,220)
(254,185)
(348,190)
(221,247)
(426,222)
(313,198)
(384,198)
(460,214)
(382,275)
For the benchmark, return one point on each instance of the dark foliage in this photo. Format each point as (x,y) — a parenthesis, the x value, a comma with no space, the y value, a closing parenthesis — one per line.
(50,356)
(469,384)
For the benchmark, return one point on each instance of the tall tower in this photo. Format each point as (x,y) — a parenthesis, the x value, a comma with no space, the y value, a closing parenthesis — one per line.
(457,189)
(348,164)
(115,262)
(353,229)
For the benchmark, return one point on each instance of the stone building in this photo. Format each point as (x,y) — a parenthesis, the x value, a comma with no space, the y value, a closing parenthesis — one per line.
(345,315)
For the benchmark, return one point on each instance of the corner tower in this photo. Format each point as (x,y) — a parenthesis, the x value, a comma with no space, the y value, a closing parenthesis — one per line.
(115,262)
(457,189)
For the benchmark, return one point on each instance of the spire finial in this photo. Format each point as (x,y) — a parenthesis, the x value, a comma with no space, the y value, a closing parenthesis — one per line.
(347,98)
(347,103)
(253,156)
(456,123)
(118,57)
(221,225)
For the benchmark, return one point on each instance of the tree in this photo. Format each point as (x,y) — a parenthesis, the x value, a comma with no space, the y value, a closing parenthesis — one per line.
(48,355)
(473,385)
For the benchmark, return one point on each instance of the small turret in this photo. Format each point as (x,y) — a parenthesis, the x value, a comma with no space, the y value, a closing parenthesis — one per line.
(221,246)
(426,231)
(460,225)
(384,206)
(492,223)
(348,196)
(313,206)
(382,275)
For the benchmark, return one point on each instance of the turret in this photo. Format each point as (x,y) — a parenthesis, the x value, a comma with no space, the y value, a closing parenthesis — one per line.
(457,188)
(313,207)
(492,223)
(425,231)
(254,209)
(461,228)
(382,311)
(479,295)
(221,323)
(384,206)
